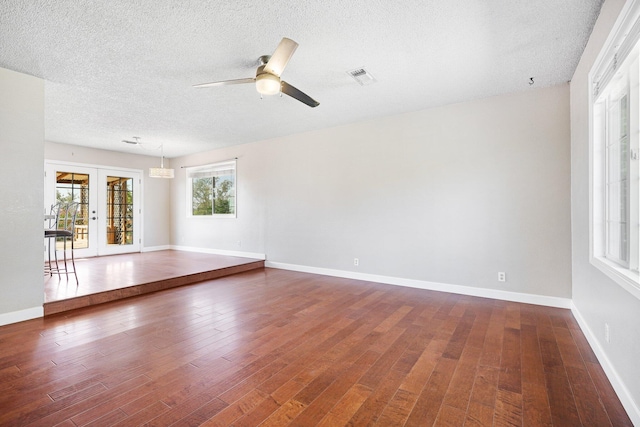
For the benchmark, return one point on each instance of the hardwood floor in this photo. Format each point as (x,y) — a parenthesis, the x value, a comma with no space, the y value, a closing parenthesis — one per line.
(274,348)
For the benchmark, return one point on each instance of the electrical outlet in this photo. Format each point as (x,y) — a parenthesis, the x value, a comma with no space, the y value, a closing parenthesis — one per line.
(502,276)
(239,243)
(356,262)
(607,333)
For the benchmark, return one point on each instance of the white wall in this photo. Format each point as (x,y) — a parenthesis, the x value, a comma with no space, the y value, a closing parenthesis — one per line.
(450,195)
(156,199)
(21,213)
(597,299)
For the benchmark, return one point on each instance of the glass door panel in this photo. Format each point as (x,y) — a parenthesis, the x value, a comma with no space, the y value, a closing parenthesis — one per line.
(74,187)
(119,223)
(119,210)
(65,183)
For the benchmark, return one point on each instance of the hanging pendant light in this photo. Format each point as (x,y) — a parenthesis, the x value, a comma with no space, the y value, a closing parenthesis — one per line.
(161,172)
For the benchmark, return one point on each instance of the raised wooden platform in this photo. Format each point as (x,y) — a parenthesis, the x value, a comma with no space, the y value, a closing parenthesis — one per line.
(115,277)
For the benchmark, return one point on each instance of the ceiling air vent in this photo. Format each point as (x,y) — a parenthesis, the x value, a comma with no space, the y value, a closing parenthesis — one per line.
(362,76)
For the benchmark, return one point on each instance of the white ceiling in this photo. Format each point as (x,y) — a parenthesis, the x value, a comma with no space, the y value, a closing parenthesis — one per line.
(117,69)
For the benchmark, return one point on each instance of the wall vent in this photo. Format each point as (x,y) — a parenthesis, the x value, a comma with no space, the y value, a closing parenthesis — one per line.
(362,76)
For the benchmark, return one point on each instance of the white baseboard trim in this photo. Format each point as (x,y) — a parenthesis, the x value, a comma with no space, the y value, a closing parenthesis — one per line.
(156,248)
(618,385)
(21,315)
(432,286)
(219,252)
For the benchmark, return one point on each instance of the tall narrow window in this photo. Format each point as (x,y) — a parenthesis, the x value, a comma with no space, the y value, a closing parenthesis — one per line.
(615,133)
(211,190)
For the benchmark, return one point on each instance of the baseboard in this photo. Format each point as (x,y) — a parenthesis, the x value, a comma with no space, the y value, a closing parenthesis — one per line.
(432,286)
(156,248)
(616,382)
(219,252)
(21,315)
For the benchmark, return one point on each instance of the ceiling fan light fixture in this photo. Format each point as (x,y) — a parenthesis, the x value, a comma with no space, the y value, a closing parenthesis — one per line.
(267,79)
(267,84)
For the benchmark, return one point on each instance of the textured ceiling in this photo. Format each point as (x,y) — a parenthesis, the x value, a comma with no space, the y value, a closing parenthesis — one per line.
(119,68)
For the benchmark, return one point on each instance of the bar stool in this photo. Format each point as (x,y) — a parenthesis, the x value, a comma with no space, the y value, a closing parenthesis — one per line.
(62,227)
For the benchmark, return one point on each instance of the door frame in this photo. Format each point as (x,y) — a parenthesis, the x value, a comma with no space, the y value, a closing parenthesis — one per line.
(101,248)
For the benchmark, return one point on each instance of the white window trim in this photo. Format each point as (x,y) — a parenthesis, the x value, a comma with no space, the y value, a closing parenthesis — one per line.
(625,27)
(622,276)
(189,189)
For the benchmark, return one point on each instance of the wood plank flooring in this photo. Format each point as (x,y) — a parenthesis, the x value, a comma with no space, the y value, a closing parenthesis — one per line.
(115,277)
(273,348)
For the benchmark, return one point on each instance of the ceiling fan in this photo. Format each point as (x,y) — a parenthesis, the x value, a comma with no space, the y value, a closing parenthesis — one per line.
(267,77)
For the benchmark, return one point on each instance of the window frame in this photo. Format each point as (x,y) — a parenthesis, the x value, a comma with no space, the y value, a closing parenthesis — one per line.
(211,168)
(615,73)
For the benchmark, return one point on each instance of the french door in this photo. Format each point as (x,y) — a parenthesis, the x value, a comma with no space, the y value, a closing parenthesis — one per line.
(108,220)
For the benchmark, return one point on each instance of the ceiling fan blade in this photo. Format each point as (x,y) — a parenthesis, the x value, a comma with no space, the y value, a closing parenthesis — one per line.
(227,82)
(298,94)
(281,56)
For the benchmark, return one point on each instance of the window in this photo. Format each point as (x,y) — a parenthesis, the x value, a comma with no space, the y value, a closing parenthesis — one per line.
(615,131)
(211,190)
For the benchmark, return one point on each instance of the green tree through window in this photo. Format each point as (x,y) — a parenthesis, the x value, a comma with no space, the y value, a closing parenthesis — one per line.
(212,190)
(222,200)
(202,190)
